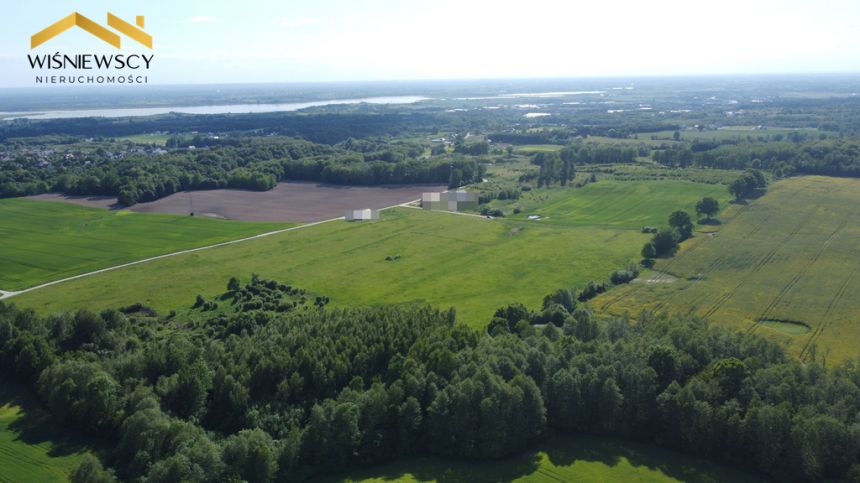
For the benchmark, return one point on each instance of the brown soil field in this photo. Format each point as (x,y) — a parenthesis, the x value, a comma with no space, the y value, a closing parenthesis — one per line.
(289,201)
(91,201)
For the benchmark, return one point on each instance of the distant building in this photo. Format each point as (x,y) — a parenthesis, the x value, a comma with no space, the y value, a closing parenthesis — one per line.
(360,215)
(459,200)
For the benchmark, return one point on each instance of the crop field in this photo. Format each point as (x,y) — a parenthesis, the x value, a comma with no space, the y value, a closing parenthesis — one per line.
(581,459)
(47,240)
(786,266)
(30,447)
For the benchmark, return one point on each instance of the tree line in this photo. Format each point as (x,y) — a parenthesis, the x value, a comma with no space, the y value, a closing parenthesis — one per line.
(254,164)
(829,157)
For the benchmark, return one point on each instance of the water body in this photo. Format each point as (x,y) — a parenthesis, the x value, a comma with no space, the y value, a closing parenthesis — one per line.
(210,109)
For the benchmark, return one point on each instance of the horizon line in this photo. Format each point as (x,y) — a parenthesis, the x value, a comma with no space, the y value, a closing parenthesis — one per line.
(466,79)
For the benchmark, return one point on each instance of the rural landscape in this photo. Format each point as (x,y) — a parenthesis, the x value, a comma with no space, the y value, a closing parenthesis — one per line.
(527,260)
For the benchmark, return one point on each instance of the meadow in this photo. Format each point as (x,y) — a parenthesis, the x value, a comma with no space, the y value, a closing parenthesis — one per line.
(46,240)
(474,264)
(617,204)
(471,263)
(784,266)
(537,148)
(573,458)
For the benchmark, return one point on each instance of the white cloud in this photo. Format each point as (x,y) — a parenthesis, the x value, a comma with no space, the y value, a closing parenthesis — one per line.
(203,19)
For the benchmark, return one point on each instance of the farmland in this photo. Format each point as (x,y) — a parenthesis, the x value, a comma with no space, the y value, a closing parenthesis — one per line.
(783,266)
(44,240)
(474,264)
(582,458)
(289,201)
(517,341)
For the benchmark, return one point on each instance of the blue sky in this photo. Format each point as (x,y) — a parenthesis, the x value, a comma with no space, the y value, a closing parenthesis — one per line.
(334,40)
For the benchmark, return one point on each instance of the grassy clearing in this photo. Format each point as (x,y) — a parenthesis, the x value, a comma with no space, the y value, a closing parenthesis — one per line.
(474,264)
(617,204)
(790,256)
(157,139)
(45,240)
(537,148)
(581,459)
(31,448)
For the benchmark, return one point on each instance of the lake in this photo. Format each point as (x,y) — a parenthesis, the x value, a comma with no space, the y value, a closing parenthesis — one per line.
(209,109)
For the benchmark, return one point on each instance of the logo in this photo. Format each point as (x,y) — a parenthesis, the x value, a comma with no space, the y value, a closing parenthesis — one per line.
(77,67)
(77,20)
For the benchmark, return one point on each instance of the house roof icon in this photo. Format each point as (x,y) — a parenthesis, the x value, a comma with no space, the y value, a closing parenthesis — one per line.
(77,20)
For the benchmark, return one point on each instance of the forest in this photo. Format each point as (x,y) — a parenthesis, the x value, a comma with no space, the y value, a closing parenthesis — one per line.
(267,383)
(829,157)
(251,163)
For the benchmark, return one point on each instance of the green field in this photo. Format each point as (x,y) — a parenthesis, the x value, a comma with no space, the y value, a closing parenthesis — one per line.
(469,262)
(474,264)
(538,148)
(786,266)
(31,448)
(157,139)
(46,240)
(617,204)
(580,459)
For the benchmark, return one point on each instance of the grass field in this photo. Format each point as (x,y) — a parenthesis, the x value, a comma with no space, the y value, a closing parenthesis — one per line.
(446,259)
(618,204)
(786,266)
(580,459)
(44,240)
(474,264)
(537,148)
(157,139)
(31,448)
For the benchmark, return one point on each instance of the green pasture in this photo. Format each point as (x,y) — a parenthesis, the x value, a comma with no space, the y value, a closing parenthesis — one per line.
(48,240)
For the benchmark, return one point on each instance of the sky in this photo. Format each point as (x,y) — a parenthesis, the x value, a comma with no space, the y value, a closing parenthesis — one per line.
(233,41)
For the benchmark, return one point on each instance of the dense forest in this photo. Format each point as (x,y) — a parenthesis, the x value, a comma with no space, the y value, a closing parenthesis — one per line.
(265,382)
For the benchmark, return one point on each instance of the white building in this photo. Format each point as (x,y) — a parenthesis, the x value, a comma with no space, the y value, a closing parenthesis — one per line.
(359,215)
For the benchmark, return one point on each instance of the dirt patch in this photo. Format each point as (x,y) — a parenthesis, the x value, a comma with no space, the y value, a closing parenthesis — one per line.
(289,201)
(654,276)
(108,202)
(790,327)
